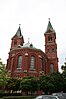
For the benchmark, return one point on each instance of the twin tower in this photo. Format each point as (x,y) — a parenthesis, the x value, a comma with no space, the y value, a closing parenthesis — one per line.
(27,60)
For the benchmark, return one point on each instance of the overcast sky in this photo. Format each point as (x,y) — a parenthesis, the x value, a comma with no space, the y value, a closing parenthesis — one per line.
(33,16)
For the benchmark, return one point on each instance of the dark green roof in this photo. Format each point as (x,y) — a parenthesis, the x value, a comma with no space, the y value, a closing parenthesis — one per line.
(18,33)
(49,25)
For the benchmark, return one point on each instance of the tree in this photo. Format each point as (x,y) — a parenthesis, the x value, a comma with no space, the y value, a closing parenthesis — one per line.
(13,84)
(3,75)
(63,67)
(57,81)
(34,86)
(45,84)
(25,85)
(29,84)
(52,83)
(64,84)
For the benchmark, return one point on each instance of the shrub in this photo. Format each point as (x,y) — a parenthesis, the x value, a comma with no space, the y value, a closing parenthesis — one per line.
(1,93)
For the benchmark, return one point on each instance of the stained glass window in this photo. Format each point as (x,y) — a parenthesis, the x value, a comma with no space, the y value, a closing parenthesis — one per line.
(51,68)
(32,62)
(19,61)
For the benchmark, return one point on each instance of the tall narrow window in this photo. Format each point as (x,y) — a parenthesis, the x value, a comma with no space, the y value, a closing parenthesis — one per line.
(32,63)
(52,49)
(19,61)
(15,42)
(49,38)
(41,63)
(51,68)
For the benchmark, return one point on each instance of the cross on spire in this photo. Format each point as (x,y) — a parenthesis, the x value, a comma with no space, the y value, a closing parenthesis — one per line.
(19,24)
(28,40)
(49,25)
(49,19)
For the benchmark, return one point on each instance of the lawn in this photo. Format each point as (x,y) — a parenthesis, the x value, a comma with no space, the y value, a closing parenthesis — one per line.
(19,97)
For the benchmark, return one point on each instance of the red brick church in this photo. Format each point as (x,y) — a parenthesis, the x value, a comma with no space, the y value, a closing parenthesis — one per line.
(26,60)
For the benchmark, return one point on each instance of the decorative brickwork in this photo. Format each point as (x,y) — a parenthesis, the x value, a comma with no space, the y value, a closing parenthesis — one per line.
(26,60)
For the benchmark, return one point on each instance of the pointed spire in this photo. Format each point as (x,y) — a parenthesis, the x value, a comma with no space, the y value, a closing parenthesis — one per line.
(50,28)
(18,33)
(49,25)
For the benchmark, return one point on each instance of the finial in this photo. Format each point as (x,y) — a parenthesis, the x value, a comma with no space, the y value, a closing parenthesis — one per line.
(49,19)
(28,40)
(19,24)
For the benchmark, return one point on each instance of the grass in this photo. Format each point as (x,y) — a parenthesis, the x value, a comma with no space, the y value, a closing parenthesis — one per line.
(19,97)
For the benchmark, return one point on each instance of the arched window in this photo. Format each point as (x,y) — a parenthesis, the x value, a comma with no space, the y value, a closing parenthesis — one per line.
(15,42)
(32,62)
(19,61)
(49,38)
(51,68)
(52,49)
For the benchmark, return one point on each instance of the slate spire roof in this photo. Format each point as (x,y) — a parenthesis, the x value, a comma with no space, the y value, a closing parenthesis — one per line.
(49,27)
(18,33)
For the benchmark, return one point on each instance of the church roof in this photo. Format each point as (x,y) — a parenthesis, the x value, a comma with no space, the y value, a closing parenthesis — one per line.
(49,27)
(28,45)
(18,33)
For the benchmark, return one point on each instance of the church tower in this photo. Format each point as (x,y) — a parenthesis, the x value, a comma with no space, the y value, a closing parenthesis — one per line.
(17,39)
(51,49)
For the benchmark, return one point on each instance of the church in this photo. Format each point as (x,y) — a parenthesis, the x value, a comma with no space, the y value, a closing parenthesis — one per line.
(27,60)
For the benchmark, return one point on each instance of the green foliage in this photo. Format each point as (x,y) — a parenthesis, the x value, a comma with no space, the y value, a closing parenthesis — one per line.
(25,85)
(64,85)
(1,93)
(46,84)
(54,82)
(63,67)
(13,84)
(33,84)
(57,81)
(20,97)
(29,84)
(3,75)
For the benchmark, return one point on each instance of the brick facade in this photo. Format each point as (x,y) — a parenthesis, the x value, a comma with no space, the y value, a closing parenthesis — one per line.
(32,61)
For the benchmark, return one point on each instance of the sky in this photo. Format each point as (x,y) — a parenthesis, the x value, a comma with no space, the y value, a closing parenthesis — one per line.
(33,16)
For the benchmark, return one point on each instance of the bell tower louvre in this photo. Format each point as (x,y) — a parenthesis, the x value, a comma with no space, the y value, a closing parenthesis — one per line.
(51,48)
